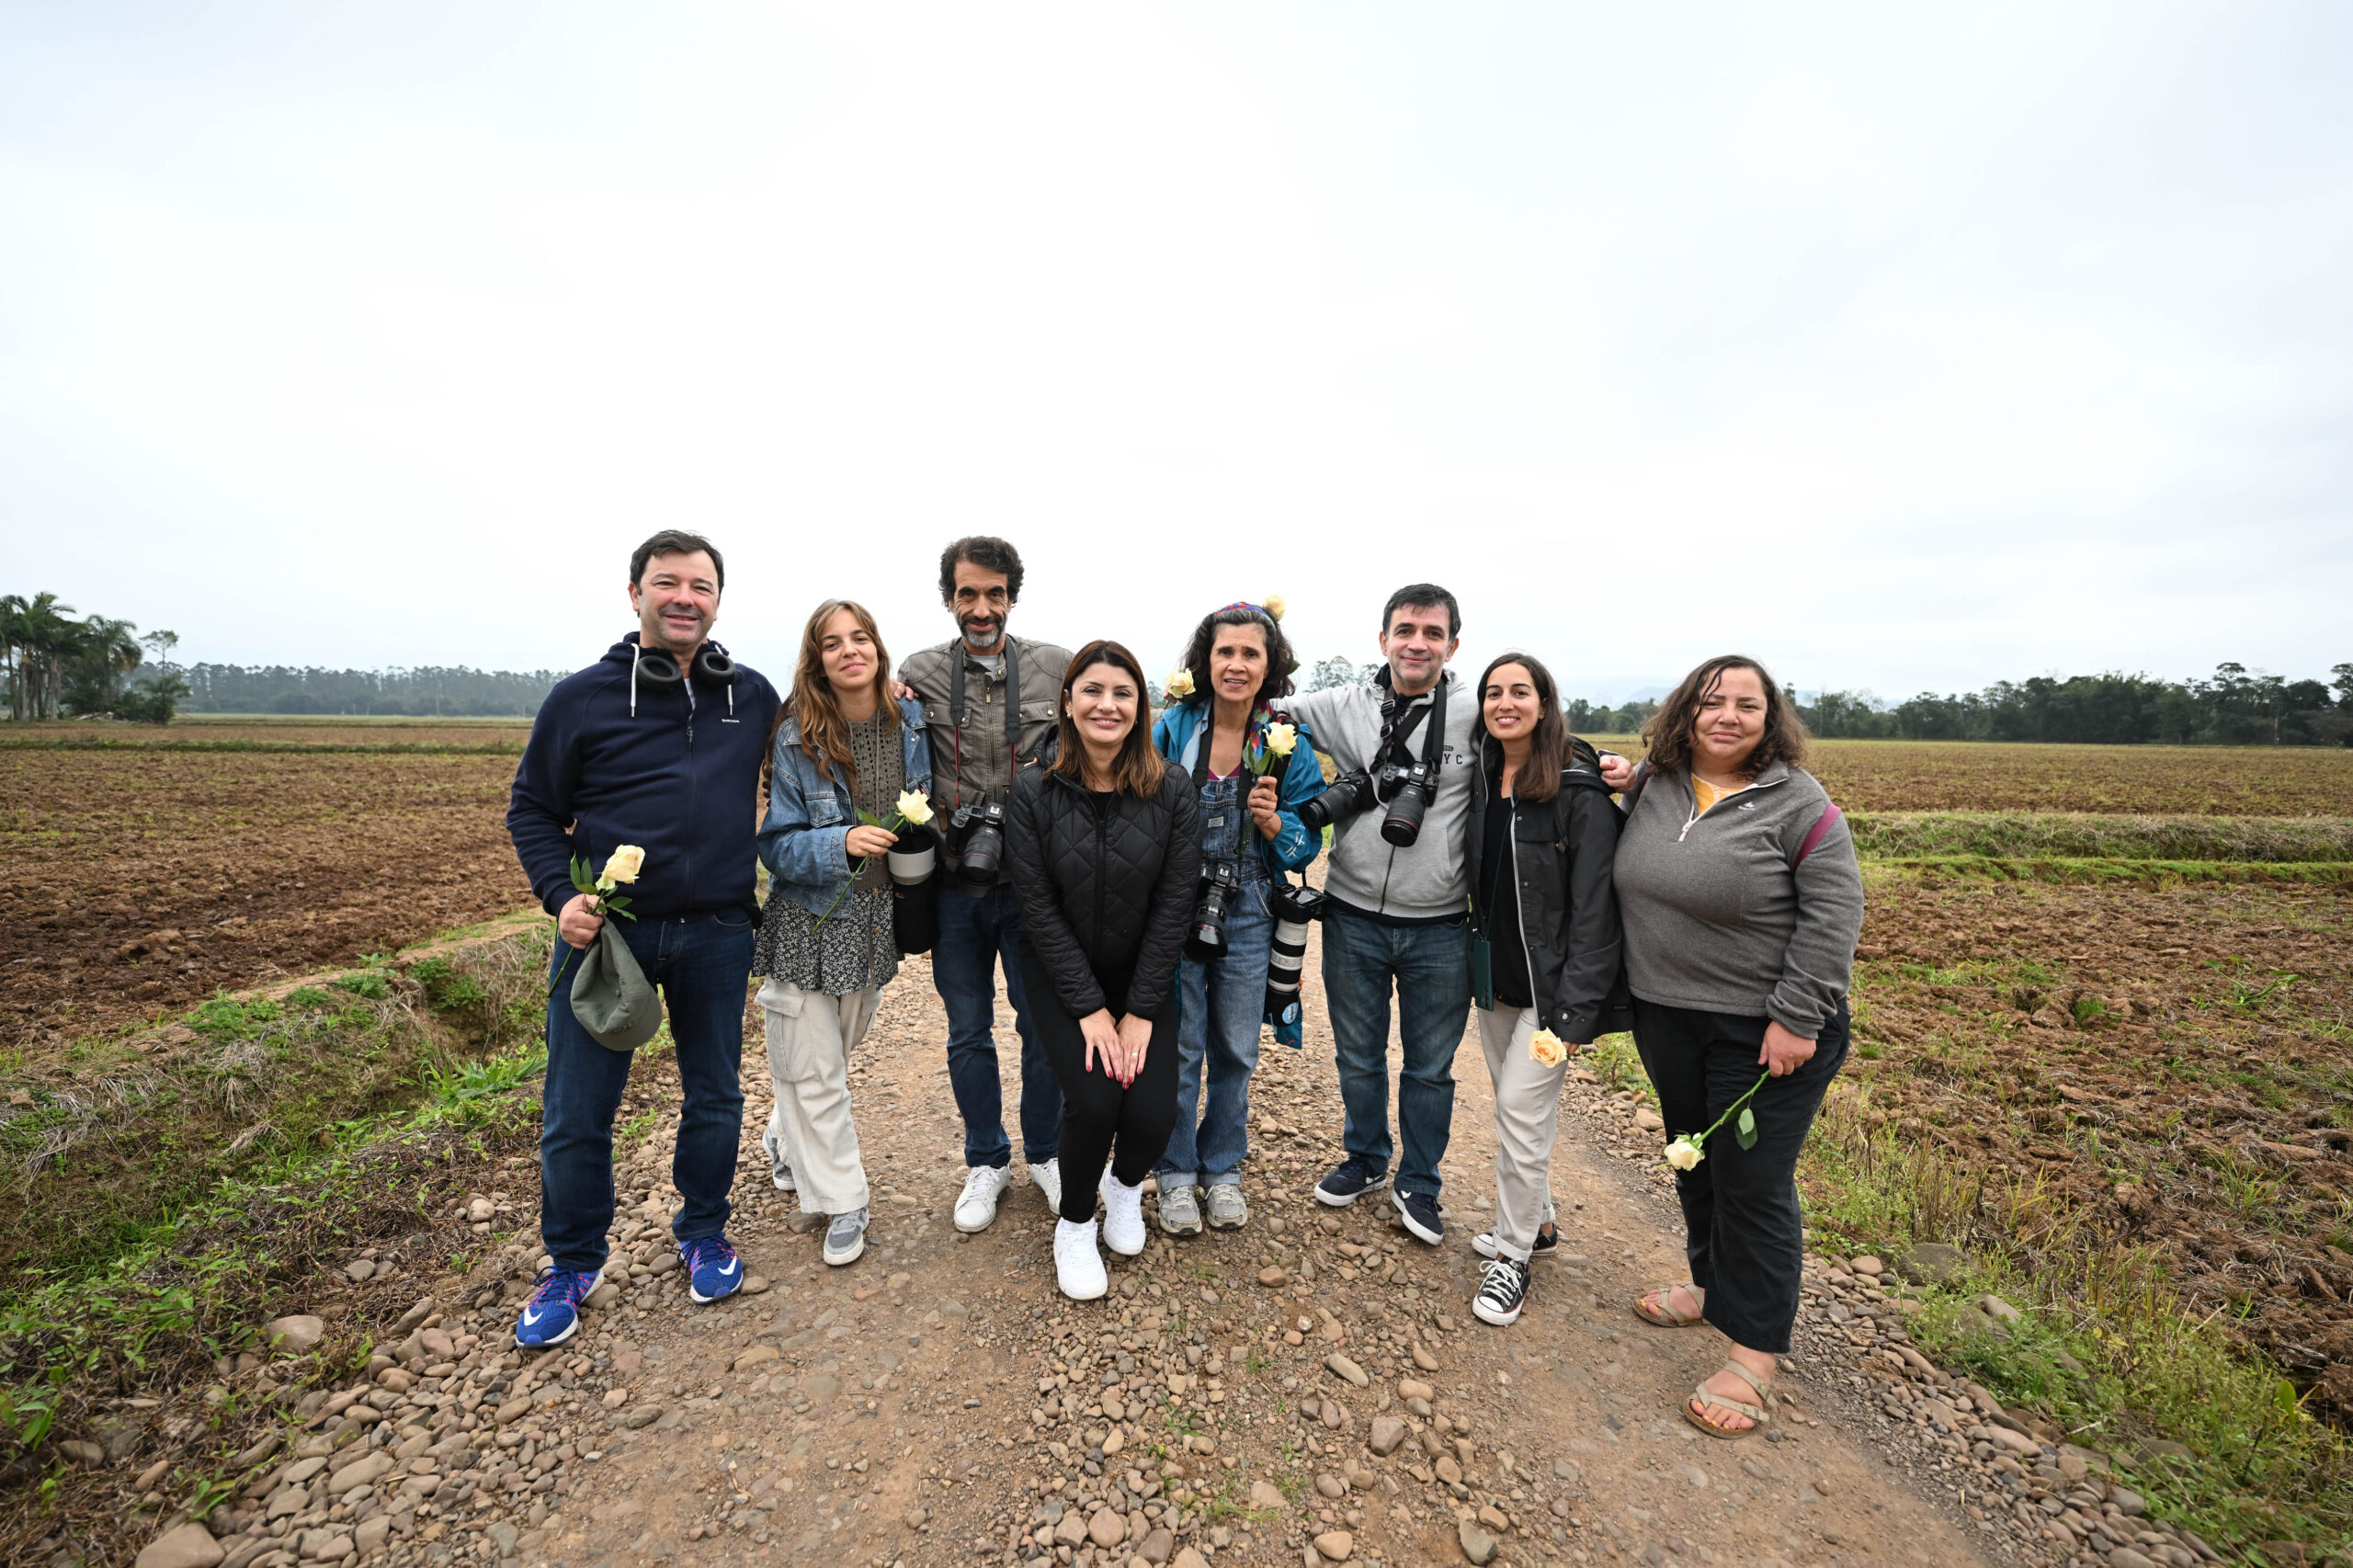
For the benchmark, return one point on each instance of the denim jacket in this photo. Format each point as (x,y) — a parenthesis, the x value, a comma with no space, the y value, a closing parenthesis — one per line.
(803,842)
(1295,847)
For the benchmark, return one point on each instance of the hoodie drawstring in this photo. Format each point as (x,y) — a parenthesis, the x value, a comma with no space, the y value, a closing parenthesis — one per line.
(633,652)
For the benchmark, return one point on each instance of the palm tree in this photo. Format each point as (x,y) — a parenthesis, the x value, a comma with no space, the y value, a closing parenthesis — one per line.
(47,640)
(12,616)
(110,650)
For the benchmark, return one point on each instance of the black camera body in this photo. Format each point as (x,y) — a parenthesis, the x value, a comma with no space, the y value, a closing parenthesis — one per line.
(978,828)
(1408,788)
(1344,797)
(1205,940)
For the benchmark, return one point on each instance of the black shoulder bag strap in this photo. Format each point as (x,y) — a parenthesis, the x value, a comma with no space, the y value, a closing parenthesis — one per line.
(1012,710)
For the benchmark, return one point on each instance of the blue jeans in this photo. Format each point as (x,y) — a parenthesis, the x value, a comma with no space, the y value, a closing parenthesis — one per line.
(977,927)
(1430,967)
(703,967)
(1219,1009)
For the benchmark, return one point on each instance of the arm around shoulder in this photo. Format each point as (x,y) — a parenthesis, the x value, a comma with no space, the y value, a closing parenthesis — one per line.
(1820,963)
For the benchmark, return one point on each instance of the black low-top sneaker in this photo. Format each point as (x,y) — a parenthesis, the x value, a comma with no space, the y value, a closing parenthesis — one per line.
(1356,1176)
(1420,1212)
(1502,1293)
(1548,1244)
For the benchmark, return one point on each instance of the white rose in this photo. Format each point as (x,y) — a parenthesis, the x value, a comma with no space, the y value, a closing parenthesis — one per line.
(1274,605)
(626,862)
(1545,1047)
(1683,1154)
(1179,685)
(915,807)
(1281,737)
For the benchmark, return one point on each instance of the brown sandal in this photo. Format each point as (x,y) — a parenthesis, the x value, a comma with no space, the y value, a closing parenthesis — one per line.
(1754,1412)
(1664,1315)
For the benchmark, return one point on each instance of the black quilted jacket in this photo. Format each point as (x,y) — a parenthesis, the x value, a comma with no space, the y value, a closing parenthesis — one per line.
(1106,883)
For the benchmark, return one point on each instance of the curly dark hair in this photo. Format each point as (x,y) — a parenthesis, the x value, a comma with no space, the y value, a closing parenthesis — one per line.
(986,552)
(1670,731)
(1280,660)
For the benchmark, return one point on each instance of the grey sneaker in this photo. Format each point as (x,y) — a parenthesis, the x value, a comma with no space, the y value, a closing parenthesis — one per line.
(846,1238)
(780,1169)
(1180,1210)
(1227,1210)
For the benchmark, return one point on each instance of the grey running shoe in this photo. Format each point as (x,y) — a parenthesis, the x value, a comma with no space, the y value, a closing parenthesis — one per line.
(1227,1209)
(1180,1210)
(846,1238)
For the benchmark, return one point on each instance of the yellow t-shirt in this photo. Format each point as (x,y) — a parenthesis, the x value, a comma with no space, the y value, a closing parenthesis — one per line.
(1705,795)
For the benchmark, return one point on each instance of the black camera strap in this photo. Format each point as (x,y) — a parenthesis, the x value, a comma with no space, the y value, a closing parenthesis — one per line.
(1394,734)
(1012,713)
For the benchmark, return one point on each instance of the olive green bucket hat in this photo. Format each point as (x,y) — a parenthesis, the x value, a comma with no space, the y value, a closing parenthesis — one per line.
(611,996)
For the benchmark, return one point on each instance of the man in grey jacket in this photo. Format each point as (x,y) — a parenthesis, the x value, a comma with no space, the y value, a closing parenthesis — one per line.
(989,700)
(1396,914)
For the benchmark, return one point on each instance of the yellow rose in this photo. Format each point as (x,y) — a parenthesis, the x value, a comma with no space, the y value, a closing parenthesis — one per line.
(1546,1048)
(1274,605)
(1281,737)
(1179,685)
(624,865)
(1683,1154)
(915,807)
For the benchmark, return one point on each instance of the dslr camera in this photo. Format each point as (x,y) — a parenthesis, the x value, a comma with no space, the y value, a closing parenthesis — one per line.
(1205,941)
(1344,797)
(1407,788)
(979,828)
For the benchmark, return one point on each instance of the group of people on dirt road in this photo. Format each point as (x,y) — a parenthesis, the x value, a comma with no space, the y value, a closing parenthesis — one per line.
(1000,801)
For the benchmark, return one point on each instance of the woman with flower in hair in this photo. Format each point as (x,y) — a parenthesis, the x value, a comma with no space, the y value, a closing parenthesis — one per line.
(1251,767)
(1544,917)
(850,773)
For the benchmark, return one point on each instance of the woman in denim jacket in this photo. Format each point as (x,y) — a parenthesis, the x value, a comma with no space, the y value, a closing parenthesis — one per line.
(1217,727)
(843,755)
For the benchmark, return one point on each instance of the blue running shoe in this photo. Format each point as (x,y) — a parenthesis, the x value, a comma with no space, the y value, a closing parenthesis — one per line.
(713,1268)
(553,1311)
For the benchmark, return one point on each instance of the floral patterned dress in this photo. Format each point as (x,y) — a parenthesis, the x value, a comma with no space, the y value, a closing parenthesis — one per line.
(856,947)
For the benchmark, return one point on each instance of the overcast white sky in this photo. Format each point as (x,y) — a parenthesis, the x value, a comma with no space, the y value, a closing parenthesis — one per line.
(1903,347)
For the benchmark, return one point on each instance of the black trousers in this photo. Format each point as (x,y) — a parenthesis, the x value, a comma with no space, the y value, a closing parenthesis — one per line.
(1096,1112)
(1743,1228)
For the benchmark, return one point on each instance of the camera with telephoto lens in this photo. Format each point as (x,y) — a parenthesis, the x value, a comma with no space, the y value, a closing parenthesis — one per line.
(1205,940)
(979,827)
(1295,909)
(1344,797)
(1407,788)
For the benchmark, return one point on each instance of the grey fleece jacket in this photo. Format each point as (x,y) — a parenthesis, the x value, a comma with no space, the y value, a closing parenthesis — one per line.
(1715,917)
(1431,880)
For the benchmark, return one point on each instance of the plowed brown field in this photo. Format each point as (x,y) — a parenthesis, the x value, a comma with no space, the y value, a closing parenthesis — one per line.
(2178,1062)
(148,877)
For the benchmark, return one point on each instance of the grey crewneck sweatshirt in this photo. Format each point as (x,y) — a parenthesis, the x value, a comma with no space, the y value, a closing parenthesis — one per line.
(1431,880)
(1715,917)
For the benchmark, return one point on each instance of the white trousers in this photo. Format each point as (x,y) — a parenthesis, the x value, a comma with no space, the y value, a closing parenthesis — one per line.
(1527,1118)
(810,1036)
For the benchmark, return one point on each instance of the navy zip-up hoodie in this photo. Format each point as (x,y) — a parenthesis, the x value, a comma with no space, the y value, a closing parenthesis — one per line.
(679,777)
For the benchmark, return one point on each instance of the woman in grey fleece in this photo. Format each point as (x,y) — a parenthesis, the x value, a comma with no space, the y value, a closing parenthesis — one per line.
(1742,902)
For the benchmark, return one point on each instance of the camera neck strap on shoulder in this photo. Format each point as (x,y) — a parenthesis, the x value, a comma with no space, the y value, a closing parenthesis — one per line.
(1012,713)
(1395,731)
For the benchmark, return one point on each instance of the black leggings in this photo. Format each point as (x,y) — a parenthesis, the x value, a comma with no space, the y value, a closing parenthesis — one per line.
(1743,1228)
(1096,1109)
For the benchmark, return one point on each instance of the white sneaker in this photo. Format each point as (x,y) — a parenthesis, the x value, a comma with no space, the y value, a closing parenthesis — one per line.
(976,1209)
(1047,1175)
(1123,1216)
(1078,1267)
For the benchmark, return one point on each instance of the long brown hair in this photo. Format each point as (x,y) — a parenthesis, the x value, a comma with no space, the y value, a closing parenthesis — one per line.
(1670,731)
(825,734)
(1138,767)
(1548,748)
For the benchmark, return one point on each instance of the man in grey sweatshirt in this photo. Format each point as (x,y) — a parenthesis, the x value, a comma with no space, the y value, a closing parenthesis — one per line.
(1396,914)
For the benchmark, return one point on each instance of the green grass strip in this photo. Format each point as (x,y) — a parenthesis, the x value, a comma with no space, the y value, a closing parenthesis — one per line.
(2081,836)
(2142,873)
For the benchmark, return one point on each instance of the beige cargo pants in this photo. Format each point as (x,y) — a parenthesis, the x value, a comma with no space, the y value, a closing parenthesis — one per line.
(810,1036)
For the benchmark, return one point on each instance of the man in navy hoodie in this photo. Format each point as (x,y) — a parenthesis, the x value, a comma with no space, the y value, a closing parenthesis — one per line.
(659,744)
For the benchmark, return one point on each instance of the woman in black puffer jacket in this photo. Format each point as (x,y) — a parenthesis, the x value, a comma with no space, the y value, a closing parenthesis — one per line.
(1105,850)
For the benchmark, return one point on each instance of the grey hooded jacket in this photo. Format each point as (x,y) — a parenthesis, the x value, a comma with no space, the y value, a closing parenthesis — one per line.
(1718,915)
(1430,881)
